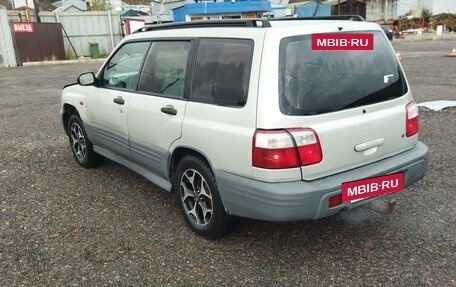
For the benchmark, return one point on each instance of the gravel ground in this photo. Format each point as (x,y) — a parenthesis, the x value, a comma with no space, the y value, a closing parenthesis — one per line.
(62,225)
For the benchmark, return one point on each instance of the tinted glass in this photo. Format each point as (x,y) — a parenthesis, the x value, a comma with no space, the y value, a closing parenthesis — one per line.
(316,82)
(165,68)
(122,70)
(222,72)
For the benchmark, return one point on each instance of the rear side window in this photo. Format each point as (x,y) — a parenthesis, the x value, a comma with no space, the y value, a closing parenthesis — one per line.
(317,82)
(222,72)
(165,69)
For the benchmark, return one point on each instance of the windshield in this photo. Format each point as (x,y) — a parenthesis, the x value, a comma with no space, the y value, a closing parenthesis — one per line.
(317,82)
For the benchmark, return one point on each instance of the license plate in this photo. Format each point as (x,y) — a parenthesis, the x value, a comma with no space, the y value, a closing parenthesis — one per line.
(365,188)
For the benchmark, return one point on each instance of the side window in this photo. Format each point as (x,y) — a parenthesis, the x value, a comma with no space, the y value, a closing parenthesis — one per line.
(222,72)
(165,68)
(122,70)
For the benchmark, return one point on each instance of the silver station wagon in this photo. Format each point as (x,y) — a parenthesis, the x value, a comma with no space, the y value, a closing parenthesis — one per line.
(246,118)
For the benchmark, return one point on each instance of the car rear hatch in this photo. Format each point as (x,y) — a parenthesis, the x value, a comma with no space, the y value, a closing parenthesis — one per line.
(355,101)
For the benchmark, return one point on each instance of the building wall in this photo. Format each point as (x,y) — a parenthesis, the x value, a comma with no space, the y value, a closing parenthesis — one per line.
(313,9)
(21,15)
(349,8)
(375,9)
(219,8)
(163,12)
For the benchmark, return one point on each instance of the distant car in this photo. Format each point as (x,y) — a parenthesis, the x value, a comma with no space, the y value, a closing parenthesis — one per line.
(388,31)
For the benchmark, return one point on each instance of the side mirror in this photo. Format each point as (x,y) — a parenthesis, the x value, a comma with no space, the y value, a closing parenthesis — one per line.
(86,79)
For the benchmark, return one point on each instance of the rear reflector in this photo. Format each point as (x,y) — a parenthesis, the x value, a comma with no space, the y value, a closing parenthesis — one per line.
(280,149)
(412,125)
(335,200)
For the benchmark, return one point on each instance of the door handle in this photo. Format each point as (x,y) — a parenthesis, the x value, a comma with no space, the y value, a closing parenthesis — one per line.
(170,110)
(119,100)
(369,144)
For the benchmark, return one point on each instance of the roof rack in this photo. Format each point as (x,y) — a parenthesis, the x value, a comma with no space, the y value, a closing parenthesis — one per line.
(259,23)
(334,17)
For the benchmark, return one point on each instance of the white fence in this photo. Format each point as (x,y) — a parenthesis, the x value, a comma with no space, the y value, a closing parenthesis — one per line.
(82,28)
(7,52)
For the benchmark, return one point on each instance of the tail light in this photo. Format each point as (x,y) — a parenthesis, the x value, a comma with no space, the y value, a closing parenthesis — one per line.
(412,125)
(279,149)
(308,145)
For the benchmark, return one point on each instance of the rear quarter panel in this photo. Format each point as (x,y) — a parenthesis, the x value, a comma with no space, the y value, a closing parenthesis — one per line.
(224,134)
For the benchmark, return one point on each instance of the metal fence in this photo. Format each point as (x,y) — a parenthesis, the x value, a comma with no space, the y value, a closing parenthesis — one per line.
(84,27)
(7,53)
(45,43)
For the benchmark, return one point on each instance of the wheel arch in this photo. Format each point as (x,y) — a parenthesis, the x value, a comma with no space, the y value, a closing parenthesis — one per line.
(68,110)
(178,153)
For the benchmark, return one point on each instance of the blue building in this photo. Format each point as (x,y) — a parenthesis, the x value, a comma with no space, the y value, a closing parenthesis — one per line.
(221,9)
(310,8)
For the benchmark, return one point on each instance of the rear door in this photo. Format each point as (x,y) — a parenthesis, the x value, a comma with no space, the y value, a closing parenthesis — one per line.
(156,112)
(354,100)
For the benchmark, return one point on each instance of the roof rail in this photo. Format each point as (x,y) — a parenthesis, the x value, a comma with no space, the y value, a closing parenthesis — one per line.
(334,17)
(260,23)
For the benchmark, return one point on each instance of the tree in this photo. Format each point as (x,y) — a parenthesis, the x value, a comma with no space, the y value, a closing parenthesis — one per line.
(99,5)
(6,3)
(36,4)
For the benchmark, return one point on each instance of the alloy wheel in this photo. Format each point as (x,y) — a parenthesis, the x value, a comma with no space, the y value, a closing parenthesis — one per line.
(196,197)
(78,141)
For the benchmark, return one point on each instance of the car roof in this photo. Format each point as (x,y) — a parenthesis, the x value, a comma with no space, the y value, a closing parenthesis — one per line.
(247,27)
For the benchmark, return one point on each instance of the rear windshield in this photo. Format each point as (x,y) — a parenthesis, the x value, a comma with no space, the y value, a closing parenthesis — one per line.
(317,82)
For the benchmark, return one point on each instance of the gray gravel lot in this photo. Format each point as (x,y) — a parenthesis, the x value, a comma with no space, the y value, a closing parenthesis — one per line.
(62,225)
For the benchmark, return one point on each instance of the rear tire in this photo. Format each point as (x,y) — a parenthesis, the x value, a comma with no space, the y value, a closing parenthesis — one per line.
(80,145)
(198,198)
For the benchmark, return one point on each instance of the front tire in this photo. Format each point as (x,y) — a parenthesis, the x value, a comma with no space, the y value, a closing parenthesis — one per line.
(80,145)
(198,198)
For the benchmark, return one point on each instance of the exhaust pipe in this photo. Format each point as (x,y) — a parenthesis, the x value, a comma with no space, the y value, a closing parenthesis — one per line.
(381,206)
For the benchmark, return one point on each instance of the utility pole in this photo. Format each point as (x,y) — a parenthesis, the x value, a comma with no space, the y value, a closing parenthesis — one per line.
(386,10)
(37,10)
(27,11)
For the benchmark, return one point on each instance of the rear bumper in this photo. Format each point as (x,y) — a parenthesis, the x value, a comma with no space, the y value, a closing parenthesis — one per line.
(300,200)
